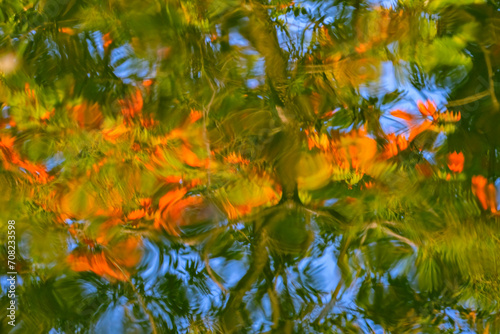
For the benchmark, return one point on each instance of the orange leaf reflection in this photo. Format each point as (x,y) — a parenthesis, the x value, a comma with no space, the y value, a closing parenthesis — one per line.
(456,162)
(485,193)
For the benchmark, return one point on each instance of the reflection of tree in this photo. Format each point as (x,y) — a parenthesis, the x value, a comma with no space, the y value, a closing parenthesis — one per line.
(157,191)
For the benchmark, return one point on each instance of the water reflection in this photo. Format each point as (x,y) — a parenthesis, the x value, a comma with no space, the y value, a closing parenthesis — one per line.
(230,167)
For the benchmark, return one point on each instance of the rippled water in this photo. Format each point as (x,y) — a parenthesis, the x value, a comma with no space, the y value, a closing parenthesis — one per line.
(249,166)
